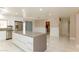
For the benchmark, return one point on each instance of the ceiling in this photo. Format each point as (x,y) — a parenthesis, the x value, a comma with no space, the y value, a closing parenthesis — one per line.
(40,12)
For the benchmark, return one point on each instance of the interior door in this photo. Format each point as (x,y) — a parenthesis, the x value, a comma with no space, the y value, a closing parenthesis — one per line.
(64,27)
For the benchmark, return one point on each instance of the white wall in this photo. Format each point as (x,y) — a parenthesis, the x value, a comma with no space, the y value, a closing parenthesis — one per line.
(54,30)
(54,26)
(39,26)
(77,28)
(72,27)
(12,19)
(39,29)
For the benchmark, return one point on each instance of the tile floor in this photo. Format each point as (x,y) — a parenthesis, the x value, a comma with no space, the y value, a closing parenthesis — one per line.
(61,45)
(53,45)
(8,46)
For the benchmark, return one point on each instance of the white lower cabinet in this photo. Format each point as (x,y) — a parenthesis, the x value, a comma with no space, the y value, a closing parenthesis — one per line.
(24,42)
(2,35)
(22,46)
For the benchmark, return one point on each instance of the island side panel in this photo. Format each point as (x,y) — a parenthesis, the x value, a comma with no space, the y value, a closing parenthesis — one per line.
(40,43)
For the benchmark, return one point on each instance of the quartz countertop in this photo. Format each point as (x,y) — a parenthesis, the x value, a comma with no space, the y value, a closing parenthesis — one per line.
(5,29)
(30,34)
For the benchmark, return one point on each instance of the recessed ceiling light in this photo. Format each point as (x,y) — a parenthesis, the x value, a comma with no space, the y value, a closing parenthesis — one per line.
(41,9)
(16,13)
(23,10)
(23,13)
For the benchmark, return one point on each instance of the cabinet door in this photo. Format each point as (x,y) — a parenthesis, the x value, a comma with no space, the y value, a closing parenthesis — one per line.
(2,35)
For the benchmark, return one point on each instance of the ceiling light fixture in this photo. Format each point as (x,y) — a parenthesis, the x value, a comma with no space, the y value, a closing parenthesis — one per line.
(41,9)
(16,13)
(24,13)
(23,10)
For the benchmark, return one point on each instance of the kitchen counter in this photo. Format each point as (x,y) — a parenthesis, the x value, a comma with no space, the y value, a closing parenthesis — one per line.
(5,29)
(30,34)
(30,41)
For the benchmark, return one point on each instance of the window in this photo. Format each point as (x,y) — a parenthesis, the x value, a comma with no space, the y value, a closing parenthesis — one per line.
(3,24)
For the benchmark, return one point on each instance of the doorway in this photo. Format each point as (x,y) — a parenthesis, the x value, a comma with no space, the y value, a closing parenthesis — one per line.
(64,27)
(28,26)
(47,23)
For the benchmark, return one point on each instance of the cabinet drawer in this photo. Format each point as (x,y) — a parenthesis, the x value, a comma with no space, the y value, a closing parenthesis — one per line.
(26,42)
(23,46)
(24,38)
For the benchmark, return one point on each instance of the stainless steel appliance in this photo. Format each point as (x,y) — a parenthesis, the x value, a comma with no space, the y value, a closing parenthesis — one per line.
(18,25)
(9,33)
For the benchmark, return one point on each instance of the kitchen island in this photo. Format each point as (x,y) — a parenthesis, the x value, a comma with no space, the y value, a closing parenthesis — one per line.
(30,41)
